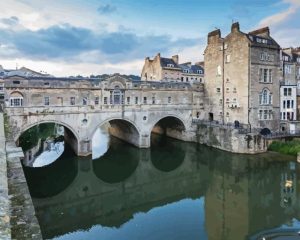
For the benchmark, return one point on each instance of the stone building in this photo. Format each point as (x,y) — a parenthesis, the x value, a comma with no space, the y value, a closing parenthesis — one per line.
(242,75)
(169,69)
(291,76)
(288,90)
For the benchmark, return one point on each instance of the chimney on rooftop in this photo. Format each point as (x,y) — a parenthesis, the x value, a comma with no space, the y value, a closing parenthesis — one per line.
(235,27)
(175,58)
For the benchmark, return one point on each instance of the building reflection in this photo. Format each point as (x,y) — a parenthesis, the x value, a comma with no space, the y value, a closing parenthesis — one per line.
(244,195)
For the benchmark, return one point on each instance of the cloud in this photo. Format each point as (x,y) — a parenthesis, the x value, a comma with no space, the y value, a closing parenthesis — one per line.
(69,43)
(285,25)
(107,9)
(10,21)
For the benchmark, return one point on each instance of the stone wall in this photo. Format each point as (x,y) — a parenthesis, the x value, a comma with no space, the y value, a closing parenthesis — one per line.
(5,230)
(23,221)
(229,139)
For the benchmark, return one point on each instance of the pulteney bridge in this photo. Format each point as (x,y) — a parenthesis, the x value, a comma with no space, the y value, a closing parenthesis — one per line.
(133,109)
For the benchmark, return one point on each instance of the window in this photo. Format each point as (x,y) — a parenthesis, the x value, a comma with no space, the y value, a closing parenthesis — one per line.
(46,101)
(182,79)
(287,69)
(72,101)
(117,96)
(16,82)
(284,104)
(227,90)
(16,101)
(105,100)
(153,100)
(169,99)
(136,100)
(145,100)
(187,79)
(185,70)
(287,91)
(218,90)
(265,115)
(128,100)
(199,71)
(219,70)
(84,101)
(221,102)
(227,58)
(170,65)
(198,114)
(266,57)
(227,100)
(288,104)
(96,100)
(234,90)
(265,75)
(265,98)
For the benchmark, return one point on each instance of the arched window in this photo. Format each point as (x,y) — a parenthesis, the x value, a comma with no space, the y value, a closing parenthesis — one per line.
(265,97)
(16,99)
(117,96)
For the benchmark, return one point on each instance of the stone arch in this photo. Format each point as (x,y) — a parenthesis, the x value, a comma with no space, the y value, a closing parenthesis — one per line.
(171,126)
(71,136)
(122,128)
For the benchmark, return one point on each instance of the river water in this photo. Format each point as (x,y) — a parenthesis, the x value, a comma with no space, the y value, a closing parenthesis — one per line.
(174,190)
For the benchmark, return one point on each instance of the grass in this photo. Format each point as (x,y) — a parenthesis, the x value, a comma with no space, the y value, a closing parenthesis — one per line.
(288,147)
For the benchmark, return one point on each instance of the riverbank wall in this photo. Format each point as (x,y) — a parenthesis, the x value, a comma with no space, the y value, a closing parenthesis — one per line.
(18,219)
(230,139)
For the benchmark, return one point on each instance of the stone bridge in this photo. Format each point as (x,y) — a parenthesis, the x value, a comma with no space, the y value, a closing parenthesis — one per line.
(134,109)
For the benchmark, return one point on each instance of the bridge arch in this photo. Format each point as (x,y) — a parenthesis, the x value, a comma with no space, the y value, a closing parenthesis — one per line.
(70,135)
(171,126)
(122,128)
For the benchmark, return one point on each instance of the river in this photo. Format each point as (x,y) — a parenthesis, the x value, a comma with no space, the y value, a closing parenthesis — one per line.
(174,190)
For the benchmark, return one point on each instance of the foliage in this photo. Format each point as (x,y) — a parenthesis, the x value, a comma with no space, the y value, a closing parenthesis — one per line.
(30,138)
(288,147)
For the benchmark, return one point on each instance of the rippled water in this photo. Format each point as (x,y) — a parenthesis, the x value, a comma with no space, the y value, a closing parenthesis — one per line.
(174,190)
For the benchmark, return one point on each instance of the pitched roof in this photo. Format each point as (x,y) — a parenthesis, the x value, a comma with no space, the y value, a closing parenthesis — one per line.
(164,62)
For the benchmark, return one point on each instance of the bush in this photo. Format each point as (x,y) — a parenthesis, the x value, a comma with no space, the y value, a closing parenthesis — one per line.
(289,147)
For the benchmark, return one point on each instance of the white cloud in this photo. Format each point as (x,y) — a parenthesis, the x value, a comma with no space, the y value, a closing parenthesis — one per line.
(285,26)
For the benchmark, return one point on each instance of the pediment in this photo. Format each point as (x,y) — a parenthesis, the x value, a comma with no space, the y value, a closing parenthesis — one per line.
(117,81)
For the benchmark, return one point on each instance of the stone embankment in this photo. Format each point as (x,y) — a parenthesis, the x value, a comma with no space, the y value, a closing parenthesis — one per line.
(17,214)
(5,229)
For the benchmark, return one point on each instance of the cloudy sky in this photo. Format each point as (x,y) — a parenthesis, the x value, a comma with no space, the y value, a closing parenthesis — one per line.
(70,37)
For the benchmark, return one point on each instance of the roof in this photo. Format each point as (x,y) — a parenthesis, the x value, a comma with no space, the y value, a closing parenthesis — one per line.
(193,69)
(165,61)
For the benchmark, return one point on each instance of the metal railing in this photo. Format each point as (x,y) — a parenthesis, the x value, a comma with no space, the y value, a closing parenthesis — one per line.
(282,134)
(242,128)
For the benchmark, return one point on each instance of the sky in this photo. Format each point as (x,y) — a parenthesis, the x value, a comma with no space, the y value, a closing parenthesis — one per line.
(84,37)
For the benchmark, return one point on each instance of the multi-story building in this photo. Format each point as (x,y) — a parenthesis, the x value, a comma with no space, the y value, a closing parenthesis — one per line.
(169,69)
(242,75)
(288,91)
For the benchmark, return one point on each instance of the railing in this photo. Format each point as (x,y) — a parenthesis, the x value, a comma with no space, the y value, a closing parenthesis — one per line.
(242,128)
(282,134)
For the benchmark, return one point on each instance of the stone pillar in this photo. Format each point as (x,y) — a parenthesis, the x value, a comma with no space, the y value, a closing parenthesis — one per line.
(85,148)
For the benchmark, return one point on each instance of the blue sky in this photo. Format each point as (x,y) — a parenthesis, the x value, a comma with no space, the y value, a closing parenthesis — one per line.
(103,36)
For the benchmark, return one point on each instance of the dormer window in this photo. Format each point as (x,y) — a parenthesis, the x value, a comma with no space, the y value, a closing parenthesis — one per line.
(185,70)
(199,71)
(170,65)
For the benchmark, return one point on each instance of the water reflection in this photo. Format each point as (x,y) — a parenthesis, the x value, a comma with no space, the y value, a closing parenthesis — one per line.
(118,163)
(100,142)
(205,194)
(42,144)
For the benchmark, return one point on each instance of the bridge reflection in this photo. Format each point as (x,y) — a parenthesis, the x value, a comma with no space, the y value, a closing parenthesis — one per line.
(243,194)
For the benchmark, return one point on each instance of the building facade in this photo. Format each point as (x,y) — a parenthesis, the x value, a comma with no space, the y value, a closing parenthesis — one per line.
(242,73)
(168,69)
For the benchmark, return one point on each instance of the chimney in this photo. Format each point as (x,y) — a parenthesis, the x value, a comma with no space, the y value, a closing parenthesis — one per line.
(235,27)
(214,36)
(175,58)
